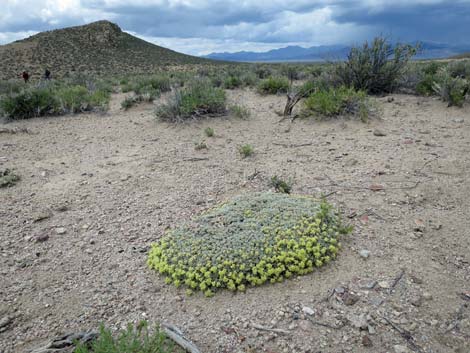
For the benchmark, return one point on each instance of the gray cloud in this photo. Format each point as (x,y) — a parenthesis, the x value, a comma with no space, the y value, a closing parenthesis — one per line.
(200,26)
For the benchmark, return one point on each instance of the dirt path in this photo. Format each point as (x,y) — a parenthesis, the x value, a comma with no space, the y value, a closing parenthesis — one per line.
(108,185)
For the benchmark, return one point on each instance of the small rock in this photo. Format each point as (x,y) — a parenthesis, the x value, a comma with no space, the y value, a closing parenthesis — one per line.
(359,321)
(371,329)
(379,133)
(458,120)
(305,326)
(367,284)
(384,284)
(42,238)
(400,349)
(427,296)
(292,326)
(419,225)
(390,99)
(364,253)
(41,216)
(62,208)
(61,230)
(366,341)
(5,321)
(417,300)
(308,311)
(376,187)
(339,290)
(350,299)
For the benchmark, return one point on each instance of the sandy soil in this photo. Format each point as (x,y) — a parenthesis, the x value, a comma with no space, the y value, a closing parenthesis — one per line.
(97,189)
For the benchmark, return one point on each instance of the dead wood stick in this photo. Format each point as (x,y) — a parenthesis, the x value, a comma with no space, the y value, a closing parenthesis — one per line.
(195,159)
(396,280)
(275,330)
(292,145)
(406,335)
(176,335)
(63,343)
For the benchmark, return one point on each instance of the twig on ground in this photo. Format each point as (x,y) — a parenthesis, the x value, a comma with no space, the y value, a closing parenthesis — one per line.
(176,335)
(406,335)
(396,280)
(324,324)
(195,159)
(292,145)
(275,330)
(64,343)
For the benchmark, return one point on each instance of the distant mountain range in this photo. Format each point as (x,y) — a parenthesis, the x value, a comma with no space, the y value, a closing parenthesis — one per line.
(330,53)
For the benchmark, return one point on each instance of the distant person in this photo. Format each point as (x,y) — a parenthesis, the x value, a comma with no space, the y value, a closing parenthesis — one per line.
(47,74)
(25,76)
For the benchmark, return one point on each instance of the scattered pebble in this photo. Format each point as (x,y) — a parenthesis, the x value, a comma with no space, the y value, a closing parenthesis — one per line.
(364,253)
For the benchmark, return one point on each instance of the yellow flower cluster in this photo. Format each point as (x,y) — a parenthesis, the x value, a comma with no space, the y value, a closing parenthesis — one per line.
(253,239)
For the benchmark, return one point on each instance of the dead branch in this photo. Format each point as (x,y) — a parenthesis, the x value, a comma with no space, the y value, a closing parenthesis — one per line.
(176,335)
(195,159)
(275,330)
(318,323)
(396,280)
(67,342)
(406,335)
(293,145)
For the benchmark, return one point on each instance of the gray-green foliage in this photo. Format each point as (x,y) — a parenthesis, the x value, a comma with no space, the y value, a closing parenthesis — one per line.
(250,240)
(452,89)
(132,340)
(54,98)
(8,178)
(197,99)
(377,67)
(273,85)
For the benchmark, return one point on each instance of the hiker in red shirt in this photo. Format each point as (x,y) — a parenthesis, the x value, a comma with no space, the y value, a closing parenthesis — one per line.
(25,76)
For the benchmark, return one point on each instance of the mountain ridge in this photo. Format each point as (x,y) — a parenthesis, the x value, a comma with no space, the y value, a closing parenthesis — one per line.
(96,48)
(329,52)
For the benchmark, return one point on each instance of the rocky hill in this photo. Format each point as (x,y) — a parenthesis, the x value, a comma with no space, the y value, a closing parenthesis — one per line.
(99,48)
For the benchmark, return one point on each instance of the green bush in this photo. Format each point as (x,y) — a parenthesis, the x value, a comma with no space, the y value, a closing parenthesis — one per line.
(451,89)
(281,185)
(232,82)
(375,68)
(196,100)
(333,102)
(248,241)
(54,99)
(240,111)
(29,103)
(273,85)
(8,178)
(246,150)
(460,68)
(209,131)
(132,340)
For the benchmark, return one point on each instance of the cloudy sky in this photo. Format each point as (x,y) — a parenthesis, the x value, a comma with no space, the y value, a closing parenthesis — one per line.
(202,26)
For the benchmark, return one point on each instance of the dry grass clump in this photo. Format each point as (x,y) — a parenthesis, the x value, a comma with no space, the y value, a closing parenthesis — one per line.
(248,241)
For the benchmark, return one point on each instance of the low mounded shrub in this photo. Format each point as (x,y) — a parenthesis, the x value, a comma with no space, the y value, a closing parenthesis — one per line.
(334,102)
(240,111)
(248,241)
(246,150)
(280,185)
(197,100)
(273,85)
(8,178)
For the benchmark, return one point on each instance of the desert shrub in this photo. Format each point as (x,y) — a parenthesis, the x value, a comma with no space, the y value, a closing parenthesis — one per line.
(128,103)
(29,103)
(10,87)
(249,79)
(200,146)
(425,86)
(8,178)
(52,99)
(209,131)
(280,185)
(460,68)
(248,241)
(246,150)
(262,71)
(375,68)
(239,111)
(338,101)
(451,89)
(198,99)
(273,85)
(232,82)
(139,340)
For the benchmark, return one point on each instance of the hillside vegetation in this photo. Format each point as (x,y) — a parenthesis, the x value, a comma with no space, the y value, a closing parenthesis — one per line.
(97,48)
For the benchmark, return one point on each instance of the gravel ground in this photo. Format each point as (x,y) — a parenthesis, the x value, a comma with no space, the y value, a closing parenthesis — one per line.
(98,189)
